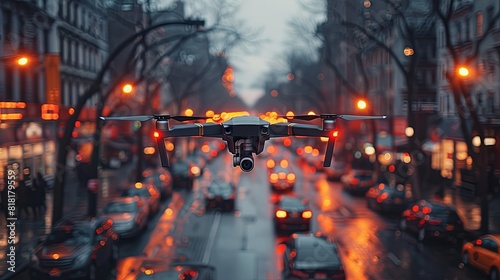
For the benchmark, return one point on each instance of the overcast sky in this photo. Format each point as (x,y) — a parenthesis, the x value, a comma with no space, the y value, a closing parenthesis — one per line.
(272,18)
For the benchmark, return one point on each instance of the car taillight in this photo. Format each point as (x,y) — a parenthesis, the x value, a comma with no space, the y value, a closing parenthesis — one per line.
(290,177)
(281,214)
(273,178)
(354,181)
(300,274)
(307,214)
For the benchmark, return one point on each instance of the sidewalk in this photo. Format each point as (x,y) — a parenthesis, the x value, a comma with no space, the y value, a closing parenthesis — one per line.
(469,209)
(29,231)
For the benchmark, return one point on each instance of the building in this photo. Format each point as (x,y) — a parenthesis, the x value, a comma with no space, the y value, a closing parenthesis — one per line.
(65,43)
(468,24)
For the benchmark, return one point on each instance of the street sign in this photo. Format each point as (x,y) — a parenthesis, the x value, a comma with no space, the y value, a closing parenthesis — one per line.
(93,185)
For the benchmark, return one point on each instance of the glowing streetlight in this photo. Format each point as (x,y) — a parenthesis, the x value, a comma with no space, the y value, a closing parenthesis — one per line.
(189,112)
(127,88)
(463,71)
(409,131)
(408,51)
(361,104)
(22,61)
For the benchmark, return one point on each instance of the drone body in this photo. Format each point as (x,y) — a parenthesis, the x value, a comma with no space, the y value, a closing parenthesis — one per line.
(245,135)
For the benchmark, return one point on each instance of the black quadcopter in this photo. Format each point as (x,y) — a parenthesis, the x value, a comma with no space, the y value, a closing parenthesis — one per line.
(245,135)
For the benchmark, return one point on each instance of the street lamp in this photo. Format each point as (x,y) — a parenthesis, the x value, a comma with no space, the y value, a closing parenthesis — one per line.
(127,88)
(463,71)
(361,104)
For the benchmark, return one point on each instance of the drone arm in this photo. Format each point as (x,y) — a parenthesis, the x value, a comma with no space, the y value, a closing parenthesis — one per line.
(196,129)
(329,152)
(296,129)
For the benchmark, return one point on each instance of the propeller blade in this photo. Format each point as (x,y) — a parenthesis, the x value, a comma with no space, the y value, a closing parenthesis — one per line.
(187,118)
(357,117)
(301,117)
(128,118)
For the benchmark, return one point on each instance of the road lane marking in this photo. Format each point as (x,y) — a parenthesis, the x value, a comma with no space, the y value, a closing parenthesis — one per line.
(211,238)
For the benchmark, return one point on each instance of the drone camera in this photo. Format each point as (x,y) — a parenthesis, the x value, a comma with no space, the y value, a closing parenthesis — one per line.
(264,130)
(246,163)
(227,130)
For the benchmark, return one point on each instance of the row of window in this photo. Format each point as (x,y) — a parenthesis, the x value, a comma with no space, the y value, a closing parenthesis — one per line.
(79,54)
(82,17)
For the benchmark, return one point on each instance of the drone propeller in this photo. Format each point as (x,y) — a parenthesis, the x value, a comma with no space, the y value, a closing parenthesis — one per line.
(157,117)
(333,116)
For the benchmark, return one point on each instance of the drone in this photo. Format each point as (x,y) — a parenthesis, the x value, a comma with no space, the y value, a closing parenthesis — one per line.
(245,135)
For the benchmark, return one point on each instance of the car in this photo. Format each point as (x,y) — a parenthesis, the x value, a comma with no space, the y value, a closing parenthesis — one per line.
(292,213)
(161,178)
(76,247)
(336,170)
(386,197)
(432,220)
(282,178)
(312,256)
(139,267)
(484,254)
(144,190)
(220,195)
(183,174)
(129,215)
(358,180)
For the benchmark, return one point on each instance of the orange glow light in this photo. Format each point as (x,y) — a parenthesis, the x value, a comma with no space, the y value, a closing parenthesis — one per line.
(280,214)
(22,61)
(287,142)
(335,133)
(284,163)
(307,214)
(156,134)
(127,88)
(463,71)
(270,163)
(205,148)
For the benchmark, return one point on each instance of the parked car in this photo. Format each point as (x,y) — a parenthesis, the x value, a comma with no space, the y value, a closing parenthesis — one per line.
(336,170)
(135,267)
(129,215)
(385,197)
(358,180)
(484,254)
(432,220)
(282,178)
(312,256)
(147,191)
(220,196)
(76,247)
(161,178)
(183,174)
(292,213)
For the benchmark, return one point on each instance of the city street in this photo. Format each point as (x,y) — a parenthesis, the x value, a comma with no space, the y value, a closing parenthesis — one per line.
(243,245)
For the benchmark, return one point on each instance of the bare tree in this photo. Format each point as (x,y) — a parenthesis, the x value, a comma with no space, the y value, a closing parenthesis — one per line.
(463,98)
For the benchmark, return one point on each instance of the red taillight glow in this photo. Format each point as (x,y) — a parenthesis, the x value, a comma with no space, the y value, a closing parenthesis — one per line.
(281,214)
(290,177)
(335,133)
(156,134)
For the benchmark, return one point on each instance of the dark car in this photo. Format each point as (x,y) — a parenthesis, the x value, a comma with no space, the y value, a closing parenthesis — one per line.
(182,174)
(312,256)
(132,268)
(432,220)
(386,197)
(282,178)
(292,213)
(358,180)
(77,247)
(146,191)
(220,196)
(161,179)
(129,215)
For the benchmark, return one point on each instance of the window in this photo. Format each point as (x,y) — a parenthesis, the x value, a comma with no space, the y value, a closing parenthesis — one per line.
(479,24)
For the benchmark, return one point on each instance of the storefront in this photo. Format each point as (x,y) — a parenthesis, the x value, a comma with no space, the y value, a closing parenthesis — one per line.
(31,144)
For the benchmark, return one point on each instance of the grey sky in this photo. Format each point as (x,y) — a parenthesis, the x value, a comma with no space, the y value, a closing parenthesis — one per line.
(272,18)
